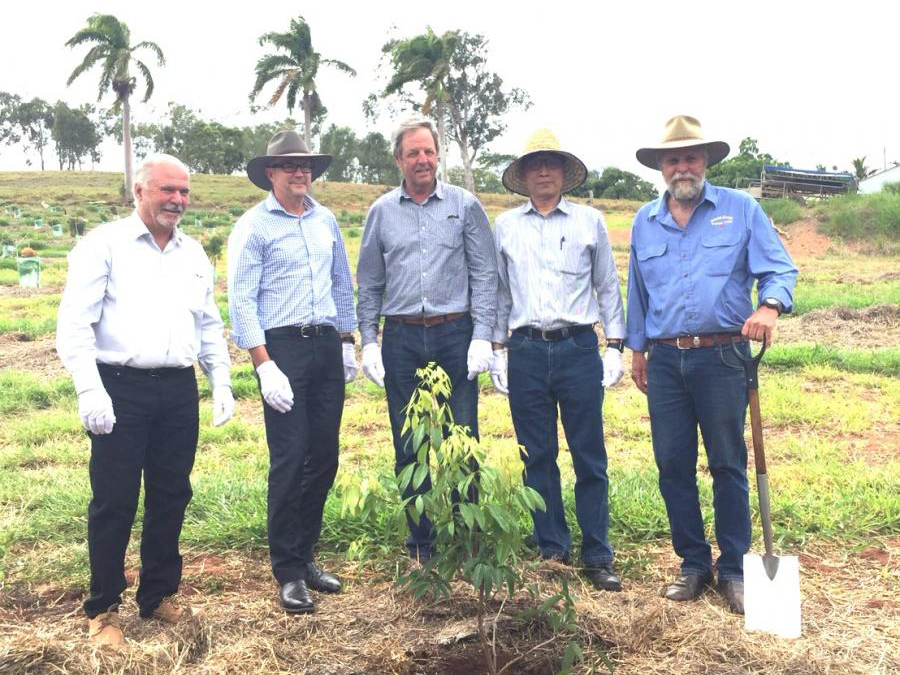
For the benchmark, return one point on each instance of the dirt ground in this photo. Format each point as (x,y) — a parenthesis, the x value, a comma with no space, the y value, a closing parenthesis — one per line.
(851,624)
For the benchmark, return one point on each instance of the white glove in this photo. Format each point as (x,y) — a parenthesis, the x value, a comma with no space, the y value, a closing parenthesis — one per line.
(275,387)
(479,358)
(498,372)
(612,367)
(372,365)
(223,404)
(350,367)
(96,410)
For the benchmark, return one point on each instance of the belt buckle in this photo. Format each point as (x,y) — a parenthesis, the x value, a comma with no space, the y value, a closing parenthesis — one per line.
(303,332)
(695,341)
(545,335)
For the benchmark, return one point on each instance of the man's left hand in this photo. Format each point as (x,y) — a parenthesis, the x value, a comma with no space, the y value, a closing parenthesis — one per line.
(223,405)
(350,366)
(480,357)
(760,325)
(612,367)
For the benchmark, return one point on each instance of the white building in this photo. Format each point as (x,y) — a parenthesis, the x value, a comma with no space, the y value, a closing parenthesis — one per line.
(876,181)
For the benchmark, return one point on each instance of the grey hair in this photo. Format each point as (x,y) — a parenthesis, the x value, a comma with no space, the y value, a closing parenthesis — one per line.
(150,162)
(701,149)
(411,124)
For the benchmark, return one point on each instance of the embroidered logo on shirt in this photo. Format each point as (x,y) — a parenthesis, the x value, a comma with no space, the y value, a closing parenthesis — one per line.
(721,221)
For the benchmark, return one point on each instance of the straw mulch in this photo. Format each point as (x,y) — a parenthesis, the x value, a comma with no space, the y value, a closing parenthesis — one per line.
(851,625)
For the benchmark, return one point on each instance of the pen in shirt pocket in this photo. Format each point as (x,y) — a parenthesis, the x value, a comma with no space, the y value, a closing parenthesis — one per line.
(562,240)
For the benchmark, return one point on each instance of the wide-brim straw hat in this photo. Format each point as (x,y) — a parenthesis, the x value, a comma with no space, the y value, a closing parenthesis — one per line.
(683,131)
(543,140)
(284,145)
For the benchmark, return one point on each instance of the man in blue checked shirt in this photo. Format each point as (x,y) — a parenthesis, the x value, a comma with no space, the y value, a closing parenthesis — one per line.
(695,255)
(427,265)
(290,296)
(557,280)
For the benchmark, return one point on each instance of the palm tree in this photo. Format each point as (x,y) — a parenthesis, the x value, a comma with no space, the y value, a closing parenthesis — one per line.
(860,170)
(114,51)
(425,60)
(296,69)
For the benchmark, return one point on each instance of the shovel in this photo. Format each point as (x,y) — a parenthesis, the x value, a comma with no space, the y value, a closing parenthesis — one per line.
(771,582)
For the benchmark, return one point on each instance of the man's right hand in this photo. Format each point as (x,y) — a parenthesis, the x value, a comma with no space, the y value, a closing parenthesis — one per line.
(372,364)
(275,387)
(639,370)
(96,410)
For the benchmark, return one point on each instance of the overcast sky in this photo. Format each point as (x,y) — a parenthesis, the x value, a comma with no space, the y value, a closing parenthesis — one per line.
(813,82)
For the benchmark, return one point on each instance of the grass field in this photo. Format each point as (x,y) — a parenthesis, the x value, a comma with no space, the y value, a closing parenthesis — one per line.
(830,392)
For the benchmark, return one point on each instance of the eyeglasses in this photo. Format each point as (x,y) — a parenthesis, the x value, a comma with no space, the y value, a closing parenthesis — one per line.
(292,167)
(542,161)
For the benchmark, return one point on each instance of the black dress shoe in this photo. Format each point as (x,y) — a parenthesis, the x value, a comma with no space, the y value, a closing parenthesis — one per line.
(733,592)
(561,558)
(602,577)
(295,598)
(688,587)
(321,581)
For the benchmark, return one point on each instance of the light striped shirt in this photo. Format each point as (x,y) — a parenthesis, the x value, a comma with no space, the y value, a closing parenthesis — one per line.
(127,303)
(556,271)
(287,270)
(427,260)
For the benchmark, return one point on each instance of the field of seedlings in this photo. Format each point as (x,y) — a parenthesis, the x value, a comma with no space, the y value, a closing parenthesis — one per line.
(830,398)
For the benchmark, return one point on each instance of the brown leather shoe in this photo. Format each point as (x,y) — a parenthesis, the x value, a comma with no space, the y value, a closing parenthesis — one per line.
(104,628)
(688,587)
(733,592)
(173,610)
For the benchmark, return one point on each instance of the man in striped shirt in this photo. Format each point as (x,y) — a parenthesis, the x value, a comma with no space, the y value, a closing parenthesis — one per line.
(290,296)
(558,279)
(427,265)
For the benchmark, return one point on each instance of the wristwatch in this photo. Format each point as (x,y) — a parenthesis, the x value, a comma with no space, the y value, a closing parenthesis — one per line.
(773,303)
(616,344)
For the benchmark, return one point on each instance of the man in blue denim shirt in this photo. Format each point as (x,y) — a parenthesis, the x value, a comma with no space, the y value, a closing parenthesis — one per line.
(695,253)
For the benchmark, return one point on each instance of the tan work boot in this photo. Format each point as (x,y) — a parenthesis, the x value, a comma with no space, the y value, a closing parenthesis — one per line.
(173,610)
(104,629)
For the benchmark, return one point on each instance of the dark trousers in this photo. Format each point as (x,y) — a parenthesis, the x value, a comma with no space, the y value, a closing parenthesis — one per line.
(303,447)
(702,387)
(156,429)
(406,348)
(566,375)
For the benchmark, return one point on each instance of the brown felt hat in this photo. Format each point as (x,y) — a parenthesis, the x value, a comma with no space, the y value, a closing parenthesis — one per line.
(284,145)
(543,140)
(683,131)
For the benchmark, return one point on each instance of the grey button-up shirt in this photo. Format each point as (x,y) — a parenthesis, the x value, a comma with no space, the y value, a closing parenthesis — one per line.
(555,271)
(426,260)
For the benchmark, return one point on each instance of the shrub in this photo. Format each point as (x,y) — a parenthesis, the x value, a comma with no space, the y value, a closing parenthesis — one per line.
(3,222)
(862,217)
(891,188)
(782,211)
(37,245)
(353,233)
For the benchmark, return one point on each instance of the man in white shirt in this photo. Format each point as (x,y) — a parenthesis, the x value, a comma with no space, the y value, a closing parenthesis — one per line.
(558,279)
(137,312)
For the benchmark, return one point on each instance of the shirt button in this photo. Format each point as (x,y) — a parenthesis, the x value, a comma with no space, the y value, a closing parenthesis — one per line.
(423,274)
(684,275)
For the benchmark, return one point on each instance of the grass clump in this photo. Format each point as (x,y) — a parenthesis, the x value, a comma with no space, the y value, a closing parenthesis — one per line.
(782,211)
(871,218)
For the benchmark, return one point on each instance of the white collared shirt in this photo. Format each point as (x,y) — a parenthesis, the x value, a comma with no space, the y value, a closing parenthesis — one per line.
(128,303)
(556,271)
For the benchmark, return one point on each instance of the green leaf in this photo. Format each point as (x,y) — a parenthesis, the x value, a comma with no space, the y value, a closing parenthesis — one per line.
(419,476)
(420,505)
(418,435)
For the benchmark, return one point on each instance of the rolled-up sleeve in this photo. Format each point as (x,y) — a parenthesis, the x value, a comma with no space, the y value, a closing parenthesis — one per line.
(637,301)
(481,260)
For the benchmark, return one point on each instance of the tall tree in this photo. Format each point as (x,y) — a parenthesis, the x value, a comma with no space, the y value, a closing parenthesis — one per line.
(75,135)
(114,52)
(340,143)
(9,112)
(295,66)
(860,170)
(34,120)
(376,162)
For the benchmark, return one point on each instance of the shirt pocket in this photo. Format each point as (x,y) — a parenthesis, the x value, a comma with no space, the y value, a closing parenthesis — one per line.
(652,263)
(448,232)
(721,251)
(195,290)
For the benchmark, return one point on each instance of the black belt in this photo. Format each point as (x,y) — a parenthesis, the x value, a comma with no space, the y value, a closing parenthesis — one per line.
(303,331)
(552,335)
(146,372)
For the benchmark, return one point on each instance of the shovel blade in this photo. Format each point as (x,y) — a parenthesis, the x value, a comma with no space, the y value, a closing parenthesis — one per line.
(772,605)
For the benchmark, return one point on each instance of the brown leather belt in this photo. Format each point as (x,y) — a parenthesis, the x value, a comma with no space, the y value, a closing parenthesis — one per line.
(694,341)
(428,320)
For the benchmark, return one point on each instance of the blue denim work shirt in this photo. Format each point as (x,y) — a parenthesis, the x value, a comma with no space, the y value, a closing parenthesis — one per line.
(698,279)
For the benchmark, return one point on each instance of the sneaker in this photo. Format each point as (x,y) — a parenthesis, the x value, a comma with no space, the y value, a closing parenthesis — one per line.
(104,628)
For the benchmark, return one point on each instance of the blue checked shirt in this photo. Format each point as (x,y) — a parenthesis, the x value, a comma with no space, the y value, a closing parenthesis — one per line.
(286,270)
(556,271)
(427,260)
(697,279)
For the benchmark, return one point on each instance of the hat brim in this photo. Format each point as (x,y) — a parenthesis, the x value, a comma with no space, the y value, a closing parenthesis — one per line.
(715,150)
(574,173)
(256,168)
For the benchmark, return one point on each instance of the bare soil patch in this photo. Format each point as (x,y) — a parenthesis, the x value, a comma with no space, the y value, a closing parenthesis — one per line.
(35,356)
(869,328)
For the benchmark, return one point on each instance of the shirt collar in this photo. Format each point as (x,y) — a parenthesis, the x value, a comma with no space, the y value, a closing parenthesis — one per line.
(137,229)
(564,206)
(272,204)
(709,193)
(437,192)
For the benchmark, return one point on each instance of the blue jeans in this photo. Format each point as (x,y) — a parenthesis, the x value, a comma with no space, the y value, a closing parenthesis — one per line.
(406,348)
(569,374)
(706,387)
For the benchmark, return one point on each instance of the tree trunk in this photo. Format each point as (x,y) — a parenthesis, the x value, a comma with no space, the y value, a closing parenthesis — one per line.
(126,141)
(442,139)
(462,140)
(307,121)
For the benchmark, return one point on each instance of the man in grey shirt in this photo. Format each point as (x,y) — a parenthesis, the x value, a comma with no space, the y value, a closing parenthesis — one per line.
(558,279)
(427,265)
